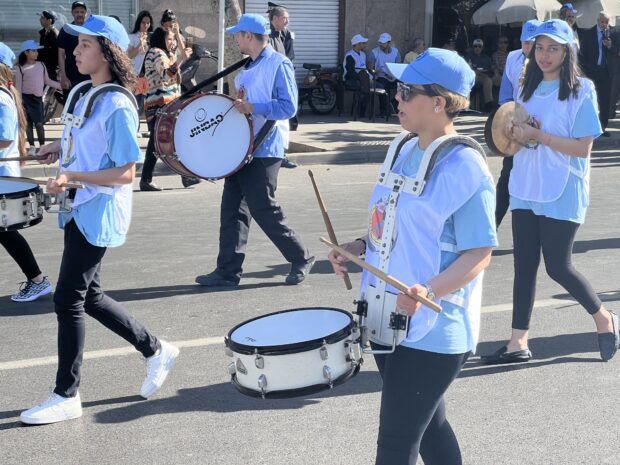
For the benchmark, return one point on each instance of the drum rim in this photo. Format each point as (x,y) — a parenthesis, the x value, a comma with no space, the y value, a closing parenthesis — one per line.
(298,392)
(18,194)
(295,347)
(22,225)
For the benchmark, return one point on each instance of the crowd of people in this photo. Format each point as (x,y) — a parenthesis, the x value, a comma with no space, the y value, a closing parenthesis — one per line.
(447,227)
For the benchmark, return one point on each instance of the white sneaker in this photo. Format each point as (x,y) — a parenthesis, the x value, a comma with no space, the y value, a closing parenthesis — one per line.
(56,408)
(158,367)
(30,290)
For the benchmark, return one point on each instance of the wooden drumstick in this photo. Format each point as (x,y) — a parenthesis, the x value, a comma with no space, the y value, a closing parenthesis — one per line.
(328,224)
(40,182)
(383,276)
(26,158)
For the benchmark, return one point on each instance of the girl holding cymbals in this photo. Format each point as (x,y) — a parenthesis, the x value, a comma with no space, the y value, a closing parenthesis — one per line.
(440,241)
(101,153)
(549,186)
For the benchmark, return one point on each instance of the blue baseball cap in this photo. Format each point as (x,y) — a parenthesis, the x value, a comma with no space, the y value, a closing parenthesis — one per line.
(29,45)
(557,30)
(437,66)
(568,6)
(251,22)
(7,56)
(529,30)
(102,26)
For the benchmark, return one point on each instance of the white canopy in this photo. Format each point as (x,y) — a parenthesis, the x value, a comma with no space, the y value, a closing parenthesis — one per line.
(518,11)
(588,10)
(487,13)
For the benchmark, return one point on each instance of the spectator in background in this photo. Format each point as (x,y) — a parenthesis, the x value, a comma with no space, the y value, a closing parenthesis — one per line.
(355,75)
(48,54)
(169,23)
(281,39)
(31,77)
(69,75)
(418,47)
(498,60)
(138,46)
(614,70)
(162,70)
(378,58)
(481,64)
(593,58)
(569,14)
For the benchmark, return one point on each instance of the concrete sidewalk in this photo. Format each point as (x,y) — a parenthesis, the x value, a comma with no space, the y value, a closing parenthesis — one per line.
(332,139)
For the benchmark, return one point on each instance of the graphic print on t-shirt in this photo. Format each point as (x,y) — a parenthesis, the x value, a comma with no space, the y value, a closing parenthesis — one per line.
(376,222)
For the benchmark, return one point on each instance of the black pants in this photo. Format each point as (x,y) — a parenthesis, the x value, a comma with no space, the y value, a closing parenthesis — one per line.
(390,89)
(18,248)
(502,199)
(250,193)
(413,412)
(149,158)
(530,235)
(602,83)
(78,291)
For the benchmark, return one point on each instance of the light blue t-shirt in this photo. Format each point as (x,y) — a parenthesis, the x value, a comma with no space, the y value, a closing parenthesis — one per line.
(470,227)
(96,218)
(9,131)
(573,203)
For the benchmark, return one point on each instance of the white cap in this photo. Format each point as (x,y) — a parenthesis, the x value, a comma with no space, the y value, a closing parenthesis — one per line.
(478,42)
(358,39)
(385,38)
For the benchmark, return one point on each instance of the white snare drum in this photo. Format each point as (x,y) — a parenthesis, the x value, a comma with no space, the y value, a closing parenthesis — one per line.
(294,352)
(20,205)
(203,136)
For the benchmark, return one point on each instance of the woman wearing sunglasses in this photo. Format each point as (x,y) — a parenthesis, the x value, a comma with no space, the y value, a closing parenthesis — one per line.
(439,242)
(549,192)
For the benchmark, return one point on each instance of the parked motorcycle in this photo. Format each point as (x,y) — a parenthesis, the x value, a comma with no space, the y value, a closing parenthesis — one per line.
(189,68)
(319,89)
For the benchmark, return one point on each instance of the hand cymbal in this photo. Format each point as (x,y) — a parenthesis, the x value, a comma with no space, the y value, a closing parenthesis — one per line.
(497,129)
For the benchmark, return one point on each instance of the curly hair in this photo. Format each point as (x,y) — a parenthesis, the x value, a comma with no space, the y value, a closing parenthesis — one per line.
(120,64)
(6,80)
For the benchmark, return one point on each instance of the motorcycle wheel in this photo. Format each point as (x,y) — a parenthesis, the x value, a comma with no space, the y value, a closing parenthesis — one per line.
(323,98)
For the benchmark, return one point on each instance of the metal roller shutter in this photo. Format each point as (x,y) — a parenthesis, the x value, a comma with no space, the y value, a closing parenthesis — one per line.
(315,23)
(124,9)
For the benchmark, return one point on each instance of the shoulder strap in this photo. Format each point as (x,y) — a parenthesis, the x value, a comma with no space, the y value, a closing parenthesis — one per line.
(7,91)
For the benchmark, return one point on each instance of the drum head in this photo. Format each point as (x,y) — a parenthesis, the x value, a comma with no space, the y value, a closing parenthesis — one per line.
(211,138)
(290,331)
(12,189)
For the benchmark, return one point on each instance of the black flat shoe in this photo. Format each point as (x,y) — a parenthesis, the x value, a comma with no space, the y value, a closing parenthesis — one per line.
(286,163)
(214,279)
(501,356)
(608,342)
(187,181)
(149,187)
(299,271)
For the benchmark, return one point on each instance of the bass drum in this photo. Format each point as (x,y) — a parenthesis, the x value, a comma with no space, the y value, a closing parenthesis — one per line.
(203,136)
(294,352)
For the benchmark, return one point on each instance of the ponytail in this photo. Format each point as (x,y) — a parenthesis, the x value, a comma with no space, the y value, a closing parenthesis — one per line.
(6,80)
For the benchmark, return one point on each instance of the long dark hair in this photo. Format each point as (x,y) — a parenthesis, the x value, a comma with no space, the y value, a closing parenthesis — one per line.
(120,64)
(158,39)
(143,14)
(569,74)
(22,59)
(6,80)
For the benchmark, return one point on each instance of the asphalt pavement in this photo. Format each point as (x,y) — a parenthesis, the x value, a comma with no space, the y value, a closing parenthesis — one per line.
(561,408)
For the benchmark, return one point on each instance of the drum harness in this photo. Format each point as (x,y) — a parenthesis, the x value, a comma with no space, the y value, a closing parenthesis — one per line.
(72,120)
(374,315)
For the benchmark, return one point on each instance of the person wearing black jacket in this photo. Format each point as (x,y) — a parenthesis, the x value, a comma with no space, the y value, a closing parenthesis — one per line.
(593,58)
(48,55)
(281,39)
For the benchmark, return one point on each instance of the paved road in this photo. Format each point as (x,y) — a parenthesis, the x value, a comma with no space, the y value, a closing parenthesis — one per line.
(559,409)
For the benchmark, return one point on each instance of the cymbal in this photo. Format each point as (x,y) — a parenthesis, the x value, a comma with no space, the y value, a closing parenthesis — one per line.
(497,128)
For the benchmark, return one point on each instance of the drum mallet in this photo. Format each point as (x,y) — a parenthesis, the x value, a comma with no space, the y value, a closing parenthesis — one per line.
(328,224)
(383,276)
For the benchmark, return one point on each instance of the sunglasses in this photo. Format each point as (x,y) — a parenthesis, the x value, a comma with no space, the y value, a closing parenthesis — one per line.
(477,46)
(407,91)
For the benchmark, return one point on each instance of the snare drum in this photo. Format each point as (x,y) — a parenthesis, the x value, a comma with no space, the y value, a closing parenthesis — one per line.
(203,136)
(20,205)
(293,352)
